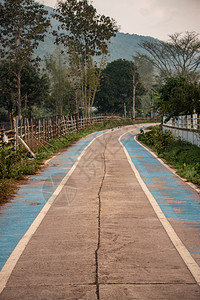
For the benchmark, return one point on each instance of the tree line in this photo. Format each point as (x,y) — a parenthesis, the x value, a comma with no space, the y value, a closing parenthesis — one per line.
(76,77)
(165,81)
(177,90)
(82,34)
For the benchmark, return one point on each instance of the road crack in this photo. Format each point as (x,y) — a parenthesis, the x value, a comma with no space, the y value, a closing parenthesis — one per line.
(99,226)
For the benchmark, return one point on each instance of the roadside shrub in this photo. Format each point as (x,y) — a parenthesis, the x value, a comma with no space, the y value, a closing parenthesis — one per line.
(183,156)
(156,139)
(15,164)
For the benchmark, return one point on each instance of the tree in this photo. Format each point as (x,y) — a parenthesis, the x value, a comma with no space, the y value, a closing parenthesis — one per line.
(83,30)
(93,80)
(62,95)
(145,69)
(179,96)
(116,89)
(8,88)
(178,57)
(34,88)
(23,25)
(84,33)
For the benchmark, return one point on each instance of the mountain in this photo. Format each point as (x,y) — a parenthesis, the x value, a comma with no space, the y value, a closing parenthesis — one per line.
(124,45)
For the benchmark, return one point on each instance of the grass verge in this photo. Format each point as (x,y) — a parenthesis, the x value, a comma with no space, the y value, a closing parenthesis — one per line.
(16,165)
(182,156)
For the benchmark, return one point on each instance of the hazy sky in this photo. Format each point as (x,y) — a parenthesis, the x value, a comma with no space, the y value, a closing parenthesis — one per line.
(157,18)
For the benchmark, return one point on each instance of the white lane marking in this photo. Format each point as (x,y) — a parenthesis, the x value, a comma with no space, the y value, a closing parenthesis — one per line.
(184,253)
(17,252)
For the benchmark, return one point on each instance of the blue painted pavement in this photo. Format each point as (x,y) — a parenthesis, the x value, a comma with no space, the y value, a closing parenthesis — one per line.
(17,216)
(178,201)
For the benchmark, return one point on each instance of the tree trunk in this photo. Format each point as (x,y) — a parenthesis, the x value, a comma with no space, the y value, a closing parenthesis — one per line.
(85,94)
(19,103)
(25,105)
(134,91)
(124,110)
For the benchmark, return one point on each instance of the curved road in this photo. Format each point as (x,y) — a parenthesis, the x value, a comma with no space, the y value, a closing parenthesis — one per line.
(101,234)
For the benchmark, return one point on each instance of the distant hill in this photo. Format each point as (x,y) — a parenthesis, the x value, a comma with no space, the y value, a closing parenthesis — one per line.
(124,45)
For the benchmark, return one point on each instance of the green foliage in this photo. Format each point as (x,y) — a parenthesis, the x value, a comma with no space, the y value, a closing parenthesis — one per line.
(117,87)
(146,72)
(23,26)
(183,156)
(15,164)
(8,87)
(157,139)
(86,32)
(62,92)
(34,88)
(179,96)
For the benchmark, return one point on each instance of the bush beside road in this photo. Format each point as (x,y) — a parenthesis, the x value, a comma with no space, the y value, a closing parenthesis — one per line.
(182,156)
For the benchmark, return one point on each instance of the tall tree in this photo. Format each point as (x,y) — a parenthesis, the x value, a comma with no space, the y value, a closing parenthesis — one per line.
(179,96)
(86,82)
(34,88)
(61,87)
(116,89)
(146,71)
(85,34)
(8,85)
(23,25)
(178,57)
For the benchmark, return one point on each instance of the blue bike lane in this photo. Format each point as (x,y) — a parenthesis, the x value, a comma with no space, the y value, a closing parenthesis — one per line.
(178,201)
(17,215)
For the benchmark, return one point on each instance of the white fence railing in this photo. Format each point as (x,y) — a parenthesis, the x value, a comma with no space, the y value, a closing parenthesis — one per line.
(186,127)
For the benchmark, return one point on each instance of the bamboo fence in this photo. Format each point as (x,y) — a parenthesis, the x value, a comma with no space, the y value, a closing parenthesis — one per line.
(37,132)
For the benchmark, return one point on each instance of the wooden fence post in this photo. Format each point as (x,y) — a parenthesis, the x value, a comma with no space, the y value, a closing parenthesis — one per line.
(28,130)
(25,131)
(21,127)
(39,129)
(16,130)
(43,130)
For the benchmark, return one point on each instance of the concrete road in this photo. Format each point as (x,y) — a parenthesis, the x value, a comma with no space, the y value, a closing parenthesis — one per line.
(99,238)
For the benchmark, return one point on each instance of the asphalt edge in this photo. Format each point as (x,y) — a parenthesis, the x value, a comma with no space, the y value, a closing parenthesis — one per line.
(8,267)
(182,250)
